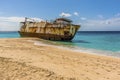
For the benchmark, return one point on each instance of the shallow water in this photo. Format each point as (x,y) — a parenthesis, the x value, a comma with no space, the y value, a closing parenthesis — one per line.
(8,34)
(107,43)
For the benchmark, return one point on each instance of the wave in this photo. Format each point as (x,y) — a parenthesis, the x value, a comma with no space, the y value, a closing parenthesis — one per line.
(77,49)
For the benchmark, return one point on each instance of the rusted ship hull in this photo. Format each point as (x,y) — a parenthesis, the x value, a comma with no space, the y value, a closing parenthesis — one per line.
(47,36)
(60,30)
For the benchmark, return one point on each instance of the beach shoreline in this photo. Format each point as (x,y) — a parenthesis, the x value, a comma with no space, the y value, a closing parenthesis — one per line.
(77,49)
(50,62)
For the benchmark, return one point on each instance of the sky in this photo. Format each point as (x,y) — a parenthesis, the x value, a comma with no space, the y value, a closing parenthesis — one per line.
(92,15)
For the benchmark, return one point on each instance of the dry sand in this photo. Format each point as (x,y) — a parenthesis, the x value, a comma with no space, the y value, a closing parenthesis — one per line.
(20,59)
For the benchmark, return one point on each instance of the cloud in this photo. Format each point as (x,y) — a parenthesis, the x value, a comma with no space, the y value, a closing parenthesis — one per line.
(12,23)
(65,14)
(16,19)
(106,22)
(76,13)
(12,19)
(83,18)
(112,23)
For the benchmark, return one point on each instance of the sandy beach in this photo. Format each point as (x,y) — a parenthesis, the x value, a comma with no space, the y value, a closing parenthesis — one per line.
(21,59)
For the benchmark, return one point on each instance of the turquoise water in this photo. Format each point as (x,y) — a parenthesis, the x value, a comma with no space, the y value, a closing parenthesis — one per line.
(9,34)
(107,42)
(102,42)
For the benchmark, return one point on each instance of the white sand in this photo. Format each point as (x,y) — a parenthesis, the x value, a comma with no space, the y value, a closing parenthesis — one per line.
(20,59)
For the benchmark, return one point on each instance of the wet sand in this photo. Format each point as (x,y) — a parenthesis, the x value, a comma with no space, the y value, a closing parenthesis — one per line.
(20,59)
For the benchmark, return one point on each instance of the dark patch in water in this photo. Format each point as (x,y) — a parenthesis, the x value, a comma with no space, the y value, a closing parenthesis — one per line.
(77,41)
(80,41)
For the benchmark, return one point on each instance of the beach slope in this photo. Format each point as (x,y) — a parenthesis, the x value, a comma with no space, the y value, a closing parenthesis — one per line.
(22,59)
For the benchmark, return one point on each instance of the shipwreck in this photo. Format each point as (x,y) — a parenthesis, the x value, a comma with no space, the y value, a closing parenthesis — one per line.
(61,29)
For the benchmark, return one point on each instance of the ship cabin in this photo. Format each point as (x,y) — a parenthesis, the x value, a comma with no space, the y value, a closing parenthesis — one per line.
(63,21)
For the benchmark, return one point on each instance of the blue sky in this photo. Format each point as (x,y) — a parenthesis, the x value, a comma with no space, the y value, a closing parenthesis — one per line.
(93,15)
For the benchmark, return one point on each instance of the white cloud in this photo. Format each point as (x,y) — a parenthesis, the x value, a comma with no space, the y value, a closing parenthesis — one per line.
(16,19)
(76,13)
(12,23)
(102,24)
(12,19)
(106,22)
(83,18)
(65,14)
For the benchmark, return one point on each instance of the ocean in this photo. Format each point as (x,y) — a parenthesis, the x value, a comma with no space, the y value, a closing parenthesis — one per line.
(9,34)
(98,42)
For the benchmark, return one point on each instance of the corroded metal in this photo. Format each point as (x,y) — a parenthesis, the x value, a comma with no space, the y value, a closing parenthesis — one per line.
(60,29)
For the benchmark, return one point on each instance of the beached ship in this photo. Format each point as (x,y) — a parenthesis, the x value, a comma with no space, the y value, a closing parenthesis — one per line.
(60,29)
